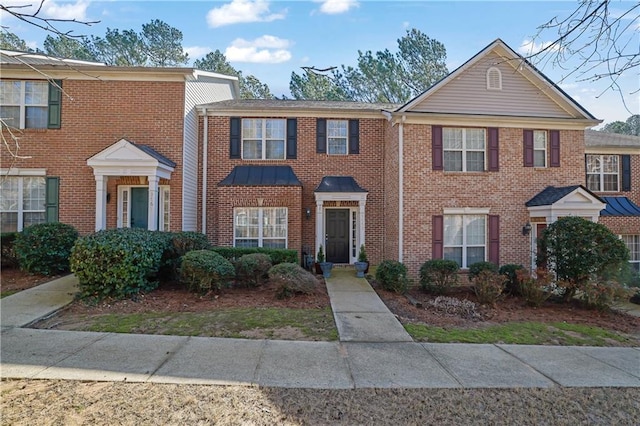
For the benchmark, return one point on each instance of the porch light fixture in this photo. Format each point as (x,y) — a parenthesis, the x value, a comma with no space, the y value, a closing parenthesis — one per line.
(526,229)
(307,213)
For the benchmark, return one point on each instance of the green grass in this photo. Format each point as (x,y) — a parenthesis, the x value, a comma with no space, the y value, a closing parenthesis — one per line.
(313,324)
(8,293)
(524,333)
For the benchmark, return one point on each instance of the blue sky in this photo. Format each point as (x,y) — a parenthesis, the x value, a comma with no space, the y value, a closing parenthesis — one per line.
(271,39)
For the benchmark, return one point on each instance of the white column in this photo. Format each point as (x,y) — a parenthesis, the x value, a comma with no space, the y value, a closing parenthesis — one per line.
(361,217)
(101,202)
(153,203)
(319,229)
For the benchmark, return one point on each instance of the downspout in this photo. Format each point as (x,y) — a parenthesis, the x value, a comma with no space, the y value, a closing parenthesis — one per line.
(401,187)
(205,143)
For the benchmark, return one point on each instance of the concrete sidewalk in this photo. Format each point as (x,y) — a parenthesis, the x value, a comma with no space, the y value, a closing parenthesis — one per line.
(373,352)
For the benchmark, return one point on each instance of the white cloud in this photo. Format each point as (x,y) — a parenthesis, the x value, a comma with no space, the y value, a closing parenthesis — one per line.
(530,47)
(197,52)
(265,50)
(242,11)
(334,7)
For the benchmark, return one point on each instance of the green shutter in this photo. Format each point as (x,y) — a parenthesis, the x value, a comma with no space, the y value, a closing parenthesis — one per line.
(51,204)
(55,104)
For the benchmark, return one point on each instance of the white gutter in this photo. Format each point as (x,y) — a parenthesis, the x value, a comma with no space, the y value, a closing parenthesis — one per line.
(205,138)
(401,187)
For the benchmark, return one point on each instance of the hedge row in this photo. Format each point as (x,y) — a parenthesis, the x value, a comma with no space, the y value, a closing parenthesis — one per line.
(277,256)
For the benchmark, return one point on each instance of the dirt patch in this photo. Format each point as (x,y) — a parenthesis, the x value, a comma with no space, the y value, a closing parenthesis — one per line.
(509,309)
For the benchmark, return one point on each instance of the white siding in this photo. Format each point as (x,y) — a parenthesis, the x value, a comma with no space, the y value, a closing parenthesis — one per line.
(468,94)
(202,91)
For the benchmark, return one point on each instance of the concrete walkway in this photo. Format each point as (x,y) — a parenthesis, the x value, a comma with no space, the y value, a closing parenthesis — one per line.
(373,352)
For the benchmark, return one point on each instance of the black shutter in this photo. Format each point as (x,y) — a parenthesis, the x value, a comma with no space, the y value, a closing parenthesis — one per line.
(626,172)
(354,137)
(292,138)
(52,199)
(55,105)
(494,161)
(494,239)
(321,136)
(235,132)
(527,136)
(436,149)
(437,231)
(554,136)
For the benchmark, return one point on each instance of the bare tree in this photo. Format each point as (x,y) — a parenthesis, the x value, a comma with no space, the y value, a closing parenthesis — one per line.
(598,40)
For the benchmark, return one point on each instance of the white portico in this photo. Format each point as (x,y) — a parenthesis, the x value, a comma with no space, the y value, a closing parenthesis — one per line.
(125,158)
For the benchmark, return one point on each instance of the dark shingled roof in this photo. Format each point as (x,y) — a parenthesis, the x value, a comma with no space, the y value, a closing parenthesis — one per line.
(551,194)
(339,184)
(261,176)
(619,206)
(155,154)
(275,104)
(596,139)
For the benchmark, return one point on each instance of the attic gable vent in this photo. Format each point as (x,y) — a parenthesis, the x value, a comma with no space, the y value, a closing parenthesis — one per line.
(494,79)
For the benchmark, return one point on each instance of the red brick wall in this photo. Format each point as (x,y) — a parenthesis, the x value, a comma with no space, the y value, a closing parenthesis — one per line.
(428,192)
(391,193)
(96,114)
(366,167)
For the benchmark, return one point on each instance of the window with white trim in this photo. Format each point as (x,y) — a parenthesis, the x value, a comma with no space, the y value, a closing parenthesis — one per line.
(539,148)
(337,141)
(603,173)
(494,79)
(633,244)
(465,239)
(22,202)
(464,149)
(263,139)
(24,104)
(260,227)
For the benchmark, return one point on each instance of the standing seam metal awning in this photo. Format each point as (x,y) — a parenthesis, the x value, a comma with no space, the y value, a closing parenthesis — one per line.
(619,206)
(261,176)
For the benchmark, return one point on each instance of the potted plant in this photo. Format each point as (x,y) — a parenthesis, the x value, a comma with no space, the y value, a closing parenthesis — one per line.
(325,267)
(362,265)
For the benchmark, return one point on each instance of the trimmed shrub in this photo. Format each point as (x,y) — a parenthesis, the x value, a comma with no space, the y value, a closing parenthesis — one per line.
(44,248)
(118,262)
(204,270)
(601,295)
(290,279)
(488,286)
(392,276)
(277,256)
(438,275)
(252,269)
(179,244)
(535,290)
(8,257)
(476,268)
(510,271)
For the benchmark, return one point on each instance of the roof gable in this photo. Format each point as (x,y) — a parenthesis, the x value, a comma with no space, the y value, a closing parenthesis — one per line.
(135,158)
(525,91)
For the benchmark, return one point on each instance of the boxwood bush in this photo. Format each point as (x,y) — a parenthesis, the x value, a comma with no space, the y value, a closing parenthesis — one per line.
(44,248)
(252,269)
(204,270)
(438,275)
(392,276)
(232,254)
(118,262)
(477,267)
(179,244)
(290,279)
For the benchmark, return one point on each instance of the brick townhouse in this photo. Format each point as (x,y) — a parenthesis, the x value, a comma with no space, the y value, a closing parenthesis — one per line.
(472,169)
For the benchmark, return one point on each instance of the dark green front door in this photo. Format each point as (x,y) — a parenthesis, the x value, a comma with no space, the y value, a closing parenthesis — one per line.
(338,235)
(140,208)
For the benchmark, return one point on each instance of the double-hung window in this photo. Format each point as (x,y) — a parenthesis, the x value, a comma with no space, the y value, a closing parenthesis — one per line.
(464,149)
(260,227)
(603,173)
(465,239)
(22,202)
(24,104)
(539,148)
(337,142)
(263,139)
(633,244)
